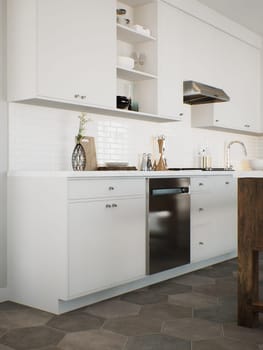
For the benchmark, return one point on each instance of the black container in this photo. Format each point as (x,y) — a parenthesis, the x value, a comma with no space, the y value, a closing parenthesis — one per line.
(123,102)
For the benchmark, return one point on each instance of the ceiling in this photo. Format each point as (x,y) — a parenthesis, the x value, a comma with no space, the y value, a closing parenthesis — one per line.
(248,13)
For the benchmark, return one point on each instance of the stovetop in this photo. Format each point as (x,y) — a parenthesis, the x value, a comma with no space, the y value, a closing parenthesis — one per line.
(208,169)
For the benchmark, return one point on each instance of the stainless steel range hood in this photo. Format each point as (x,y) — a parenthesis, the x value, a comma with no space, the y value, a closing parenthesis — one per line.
(197,93)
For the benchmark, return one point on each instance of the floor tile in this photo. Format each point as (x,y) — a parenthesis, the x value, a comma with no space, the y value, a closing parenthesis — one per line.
(165,311)
(194,300)
(218,270)
(10,306)
(223,287)
(134,325)
(157,342)
(169,287)
(220,314)
(222,344)
(195,280)
(248,335)
(144,297)
(31,338)
(192,329)
(24,317)
(2,331)
(75,322)
(93,340)
(3,347)
(113,308)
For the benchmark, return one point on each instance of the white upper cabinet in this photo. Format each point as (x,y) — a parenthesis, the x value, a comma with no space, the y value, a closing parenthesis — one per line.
(190,49)
(63,50)
(170,61)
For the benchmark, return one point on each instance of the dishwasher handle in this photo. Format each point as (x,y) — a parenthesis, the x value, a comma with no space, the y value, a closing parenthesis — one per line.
(169,191)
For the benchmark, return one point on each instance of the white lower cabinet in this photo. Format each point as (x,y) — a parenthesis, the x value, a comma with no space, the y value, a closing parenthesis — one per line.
(106,243)
(213,217)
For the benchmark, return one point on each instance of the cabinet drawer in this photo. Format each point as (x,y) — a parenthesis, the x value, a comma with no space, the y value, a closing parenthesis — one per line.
(103,188)
(200,184)
(203,243)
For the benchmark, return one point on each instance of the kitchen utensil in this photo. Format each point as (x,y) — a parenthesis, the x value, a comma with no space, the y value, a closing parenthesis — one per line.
(122,102)
(123,21)
(162,163)
(121,12)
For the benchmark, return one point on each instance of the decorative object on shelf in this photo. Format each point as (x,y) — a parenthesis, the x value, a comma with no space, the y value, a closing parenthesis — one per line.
(125,62)
(162,165)
(139,58)
(133,106)
(140,29)
(120,19)
(123,102)
(120,12)
(78,154)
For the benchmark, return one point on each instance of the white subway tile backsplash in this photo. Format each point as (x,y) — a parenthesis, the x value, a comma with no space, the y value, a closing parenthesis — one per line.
(43,139)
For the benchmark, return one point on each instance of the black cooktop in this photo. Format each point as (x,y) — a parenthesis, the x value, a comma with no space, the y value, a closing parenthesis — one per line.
(208,169)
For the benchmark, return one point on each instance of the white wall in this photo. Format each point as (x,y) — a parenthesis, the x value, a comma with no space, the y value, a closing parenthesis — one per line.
(43,139)
(3,156)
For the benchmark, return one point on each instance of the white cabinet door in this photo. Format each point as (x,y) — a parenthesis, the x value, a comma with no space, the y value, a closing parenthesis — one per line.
(225,214)
(76,50)
(213,218)
(190,49)
(170,62)
(106,243)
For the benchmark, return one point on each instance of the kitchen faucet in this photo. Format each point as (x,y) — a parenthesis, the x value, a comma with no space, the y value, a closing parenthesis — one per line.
(227,156)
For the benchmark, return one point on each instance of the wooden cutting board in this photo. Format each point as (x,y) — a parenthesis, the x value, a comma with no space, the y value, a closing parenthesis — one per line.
(88,144)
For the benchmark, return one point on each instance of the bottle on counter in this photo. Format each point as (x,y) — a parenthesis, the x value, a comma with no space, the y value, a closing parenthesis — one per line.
(144,162)
(149,162)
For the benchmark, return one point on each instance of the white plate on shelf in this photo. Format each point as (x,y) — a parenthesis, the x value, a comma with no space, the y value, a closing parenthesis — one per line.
(109,164)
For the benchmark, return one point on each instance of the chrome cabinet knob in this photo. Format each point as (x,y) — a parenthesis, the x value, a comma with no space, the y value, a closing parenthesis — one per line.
(76,95)
(201,209)
(114,205)
(83,97)
(201,243)
(227,182)
(201,184)
(108,206)
(111,188)
(247,126)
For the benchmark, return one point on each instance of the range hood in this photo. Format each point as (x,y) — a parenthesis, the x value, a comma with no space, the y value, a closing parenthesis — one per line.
(197,93)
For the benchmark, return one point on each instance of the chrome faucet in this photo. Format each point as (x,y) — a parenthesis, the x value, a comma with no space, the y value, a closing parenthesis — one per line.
(227,157)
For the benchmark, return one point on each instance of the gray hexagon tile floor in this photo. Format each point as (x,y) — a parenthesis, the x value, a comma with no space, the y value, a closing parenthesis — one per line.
(196,311)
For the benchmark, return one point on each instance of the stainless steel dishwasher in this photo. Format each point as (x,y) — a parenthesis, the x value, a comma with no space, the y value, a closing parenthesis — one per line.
(168,231)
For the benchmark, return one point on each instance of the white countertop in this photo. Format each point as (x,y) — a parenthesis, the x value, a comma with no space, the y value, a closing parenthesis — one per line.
(131,173)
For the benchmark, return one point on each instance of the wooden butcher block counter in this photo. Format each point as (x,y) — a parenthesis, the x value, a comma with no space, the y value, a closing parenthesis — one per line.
(250,244)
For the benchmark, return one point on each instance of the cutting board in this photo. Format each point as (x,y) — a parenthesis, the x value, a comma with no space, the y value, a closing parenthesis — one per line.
(88,144)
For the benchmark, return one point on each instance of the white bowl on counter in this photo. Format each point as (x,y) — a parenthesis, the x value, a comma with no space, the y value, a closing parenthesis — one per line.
(256,164)
(125,62)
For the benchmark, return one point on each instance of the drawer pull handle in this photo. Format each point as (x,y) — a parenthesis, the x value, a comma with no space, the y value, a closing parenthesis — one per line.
(201,243)
(227,182)
(111,188)
(201,209)
(108,206)
(76,95)
(82,97)
(114,205)
(201,184)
